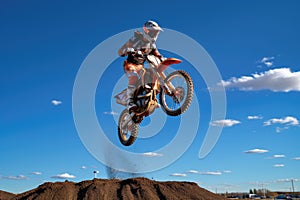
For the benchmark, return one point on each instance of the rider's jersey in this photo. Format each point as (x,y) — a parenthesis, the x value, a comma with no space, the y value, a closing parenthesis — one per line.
(142,44)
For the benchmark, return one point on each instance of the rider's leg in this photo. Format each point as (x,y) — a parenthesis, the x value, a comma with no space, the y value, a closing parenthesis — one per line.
(131,106)
(133,74)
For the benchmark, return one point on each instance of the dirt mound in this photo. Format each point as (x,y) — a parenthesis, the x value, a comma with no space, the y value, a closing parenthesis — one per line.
(5,195)
(134,188)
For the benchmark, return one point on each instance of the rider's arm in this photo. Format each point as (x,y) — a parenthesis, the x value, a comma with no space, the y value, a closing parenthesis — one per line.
(128,46)
(156,53)
(124,49)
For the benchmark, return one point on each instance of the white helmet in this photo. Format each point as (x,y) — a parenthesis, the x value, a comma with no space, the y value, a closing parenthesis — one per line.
(152,29)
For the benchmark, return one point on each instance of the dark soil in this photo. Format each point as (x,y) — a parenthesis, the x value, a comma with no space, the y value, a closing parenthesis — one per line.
(5,195)
(102,189)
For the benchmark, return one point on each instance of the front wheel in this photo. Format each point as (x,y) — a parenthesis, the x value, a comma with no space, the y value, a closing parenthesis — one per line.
(127,132)
(182,93)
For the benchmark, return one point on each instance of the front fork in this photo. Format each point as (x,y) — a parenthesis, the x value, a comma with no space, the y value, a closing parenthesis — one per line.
(167,87)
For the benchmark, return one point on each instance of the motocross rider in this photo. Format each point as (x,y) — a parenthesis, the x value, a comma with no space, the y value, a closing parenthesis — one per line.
(136,49)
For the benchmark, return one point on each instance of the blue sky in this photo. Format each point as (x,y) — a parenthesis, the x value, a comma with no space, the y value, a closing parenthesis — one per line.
(255,45)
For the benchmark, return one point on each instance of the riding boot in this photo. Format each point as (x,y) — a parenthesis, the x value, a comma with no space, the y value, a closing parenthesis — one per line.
(131,106)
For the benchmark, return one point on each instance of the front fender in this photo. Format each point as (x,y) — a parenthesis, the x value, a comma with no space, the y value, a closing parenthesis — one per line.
(170,61)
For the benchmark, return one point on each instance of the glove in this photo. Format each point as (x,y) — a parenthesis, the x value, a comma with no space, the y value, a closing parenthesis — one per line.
(129,50)
(139,53)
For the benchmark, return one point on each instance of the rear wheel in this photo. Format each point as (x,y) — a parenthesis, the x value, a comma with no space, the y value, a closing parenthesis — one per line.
(181,98)
(127,133)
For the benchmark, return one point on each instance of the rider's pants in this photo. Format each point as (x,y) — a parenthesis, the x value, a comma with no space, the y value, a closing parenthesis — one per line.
(133,72)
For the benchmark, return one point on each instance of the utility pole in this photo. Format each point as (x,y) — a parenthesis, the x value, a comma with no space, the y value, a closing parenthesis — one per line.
(263,190)
(292,180)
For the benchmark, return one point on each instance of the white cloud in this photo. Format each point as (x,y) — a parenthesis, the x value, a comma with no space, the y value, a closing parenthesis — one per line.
(225,122)
(214,173)
(37,173)
(278,156)
(280,129)
(277,80)
(152,154)
(255,151)
(209,172)
(284,180)
(63,176)
(110,113)
(20,177)
(297,158)
(288,180)
(286,121)
(193,172)
(56,102)
(267,61)
(83,167)
(278,165)
(178,174)
(289,120)
(250,117)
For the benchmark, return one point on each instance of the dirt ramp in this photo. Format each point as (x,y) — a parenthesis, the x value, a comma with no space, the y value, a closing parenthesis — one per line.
(114,189)
(6,195)
(50,191)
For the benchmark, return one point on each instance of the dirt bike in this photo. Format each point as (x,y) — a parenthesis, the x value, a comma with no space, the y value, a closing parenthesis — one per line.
(175,91)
